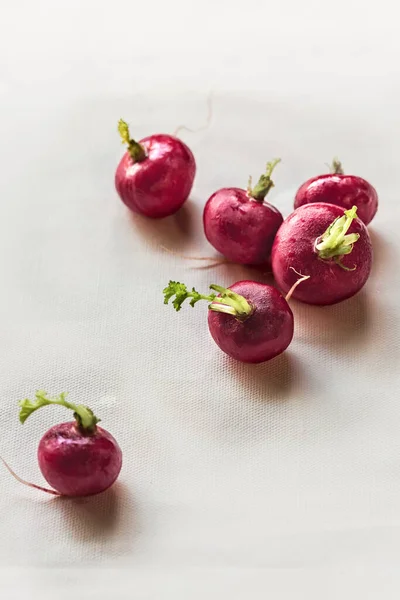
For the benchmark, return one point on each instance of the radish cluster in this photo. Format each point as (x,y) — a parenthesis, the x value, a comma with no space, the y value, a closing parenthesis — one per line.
(320,254)
(323,245)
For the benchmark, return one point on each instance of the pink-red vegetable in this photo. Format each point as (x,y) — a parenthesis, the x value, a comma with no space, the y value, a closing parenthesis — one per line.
(155,175)
(340,189)
(251,322)
(330,245)
(77,458)
(240,223)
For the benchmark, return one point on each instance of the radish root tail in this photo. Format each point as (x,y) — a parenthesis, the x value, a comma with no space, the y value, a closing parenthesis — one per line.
(294,286)
(203,127)
(214,260)
(27,483)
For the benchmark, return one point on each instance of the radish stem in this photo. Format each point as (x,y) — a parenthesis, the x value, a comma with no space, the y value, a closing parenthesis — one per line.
(136,151)
(227,302)
(336,167)
(264,184)
(335,242)
(84,416)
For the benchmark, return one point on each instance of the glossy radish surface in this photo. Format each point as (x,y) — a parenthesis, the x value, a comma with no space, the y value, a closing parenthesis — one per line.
(241,224)
(155,175)
(77,458)
(330,245)
(340,189)
(251,322)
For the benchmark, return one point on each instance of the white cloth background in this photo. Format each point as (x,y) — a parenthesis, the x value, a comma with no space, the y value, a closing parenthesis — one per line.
(243,482)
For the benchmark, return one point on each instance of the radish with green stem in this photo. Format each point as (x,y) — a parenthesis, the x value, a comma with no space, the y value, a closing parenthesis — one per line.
(155,175)
(341,189)
(251,322)
(77,458)
(330,245)
(240,224)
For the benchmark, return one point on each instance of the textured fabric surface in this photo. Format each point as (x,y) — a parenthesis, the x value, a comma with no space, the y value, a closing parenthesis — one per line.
(242,482)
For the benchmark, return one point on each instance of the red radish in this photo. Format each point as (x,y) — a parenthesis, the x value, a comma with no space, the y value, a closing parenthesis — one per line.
(240,223)
(330,245)
(155,175)
(340,189)
(251,322)
(76,458)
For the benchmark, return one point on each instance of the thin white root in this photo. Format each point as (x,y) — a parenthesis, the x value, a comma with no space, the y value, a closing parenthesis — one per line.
(203,127)
(294,286)
(214,260)
(32,485)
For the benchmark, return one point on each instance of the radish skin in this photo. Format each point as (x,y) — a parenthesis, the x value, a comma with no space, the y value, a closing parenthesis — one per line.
(330,245)
(240,223)
(342,190)
(155,175)
(76,458)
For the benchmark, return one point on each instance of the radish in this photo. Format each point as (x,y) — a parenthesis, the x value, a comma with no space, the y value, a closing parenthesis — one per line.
(76,458)
(340,189)
(330,245)
(240,223)
(155,175)
(251,322)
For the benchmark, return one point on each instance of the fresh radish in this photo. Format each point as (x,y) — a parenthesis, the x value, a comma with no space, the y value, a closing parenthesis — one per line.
(77,458)
(155,175)
(340,189)
(330,245)
(251,322)
(240,223)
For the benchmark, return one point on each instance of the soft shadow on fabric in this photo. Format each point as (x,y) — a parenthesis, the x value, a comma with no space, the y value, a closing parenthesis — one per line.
(342,327)
(173,233)
(268,381)
(98,517)
(382,256)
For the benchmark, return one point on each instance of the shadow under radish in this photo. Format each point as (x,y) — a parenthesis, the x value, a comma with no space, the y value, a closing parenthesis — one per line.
(173,233)
(343,327)
(266,382)
(382,254)
(103,516)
